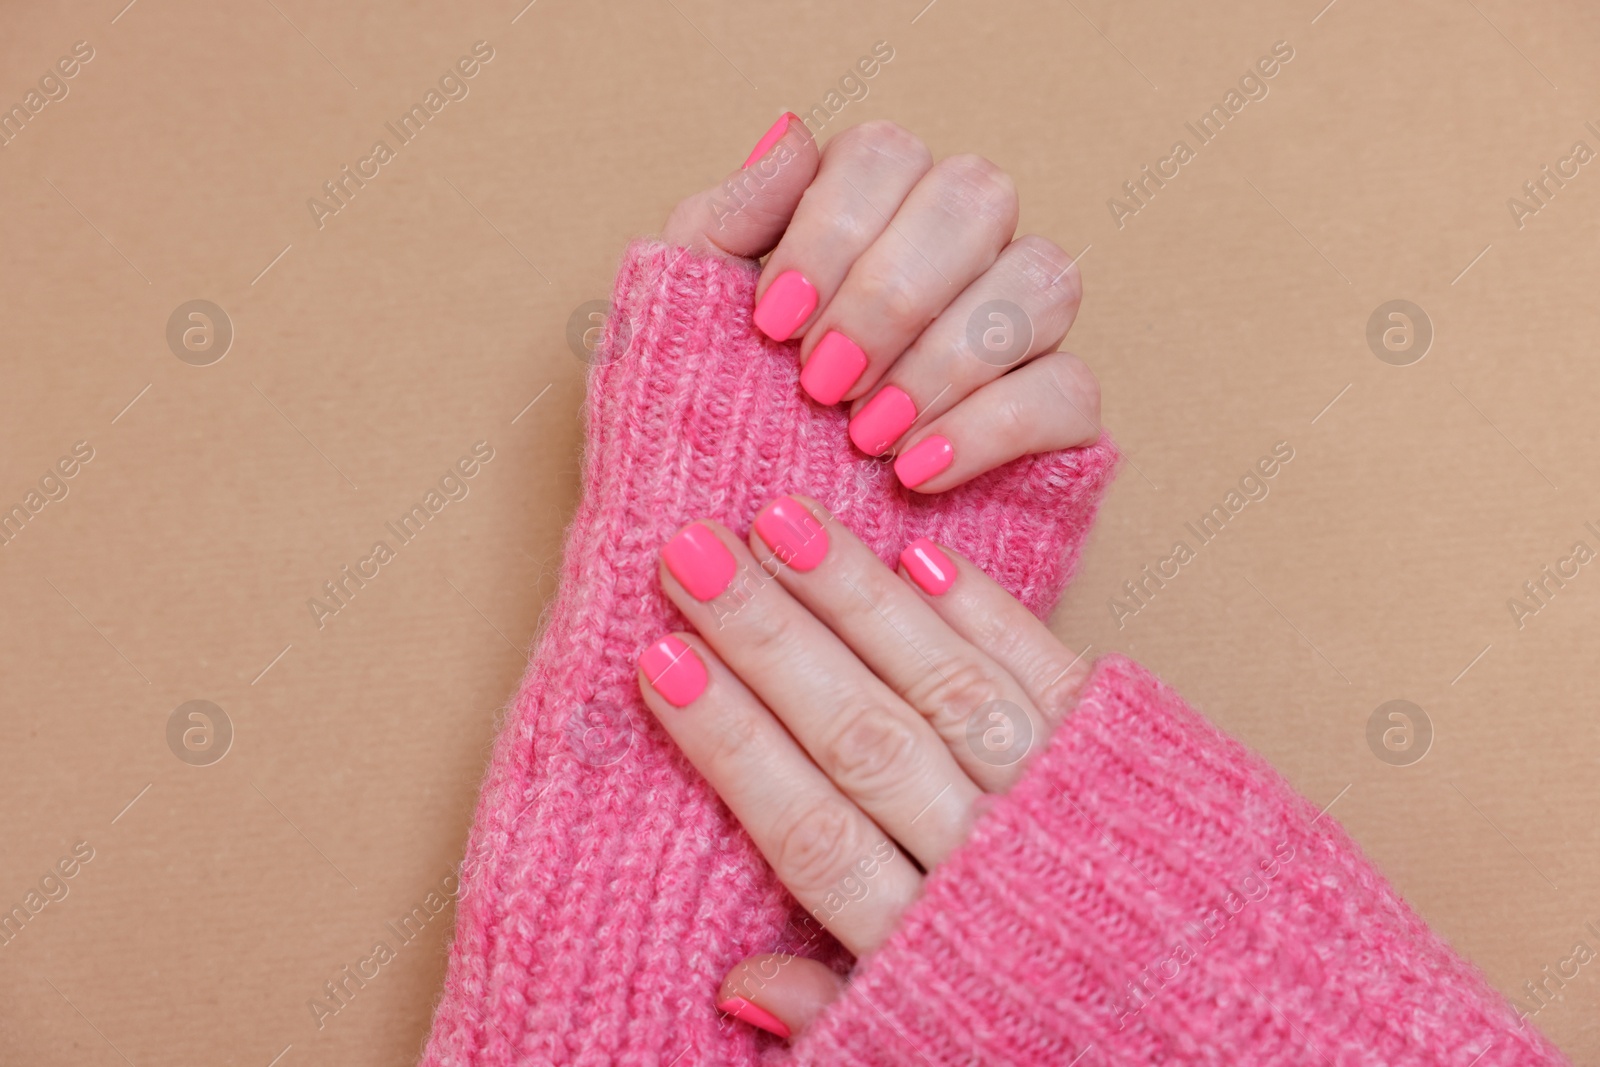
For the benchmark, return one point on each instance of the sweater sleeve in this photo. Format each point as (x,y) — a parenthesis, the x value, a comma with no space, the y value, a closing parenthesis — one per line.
(1152,892)
(606,890)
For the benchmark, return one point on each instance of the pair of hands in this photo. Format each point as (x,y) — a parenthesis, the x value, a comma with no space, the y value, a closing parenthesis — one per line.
(853,717)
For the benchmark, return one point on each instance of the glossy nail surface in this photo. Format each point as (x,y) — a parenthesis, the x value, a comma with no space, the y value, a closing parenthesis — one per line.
(930,568)
(770,138)
(701,563)
(882,420)
(835,365)
(745,1011)
(674,670)
(923,460)
(793,533)
(786,304)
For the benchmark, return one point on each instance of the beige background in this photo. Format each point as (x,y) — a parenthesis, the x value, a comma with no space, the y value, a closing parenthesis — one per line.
(1224,317)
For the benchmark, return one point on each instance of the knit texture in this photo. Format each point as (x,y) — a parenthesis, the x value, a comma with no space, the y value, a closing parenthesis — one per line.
(606,890)
(1151,892)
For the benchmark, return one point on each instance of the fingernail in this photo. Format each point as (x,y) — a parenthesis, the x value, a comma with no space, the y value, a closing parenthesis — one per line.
(787,303)
(882,420)
(744,1011)
(930,568)
(700,562)
(835,365)
(793,533)
(770,138)
(674,670)
(923,460)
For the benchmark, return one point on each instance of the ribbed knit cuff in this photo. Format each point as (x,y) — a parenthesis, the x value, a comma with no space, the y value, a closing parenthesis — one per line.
(686,390)
(606,889)
(1152,892)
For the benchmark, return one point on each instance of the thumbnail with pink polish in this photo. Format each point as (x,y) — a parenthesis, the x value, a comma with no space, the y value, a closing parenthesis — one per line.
(770,138)
(674,670)
(835,365)
(930,568)
(786,305)
(748,1012)
(701,563)
(923,460)
(882,420)
(793,533)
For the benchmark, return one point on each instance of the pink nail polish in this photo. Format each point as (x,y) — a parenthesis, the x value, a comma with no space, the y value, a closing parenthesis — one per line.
(745,1011)
(771,137)
(700,562)
(787,303)
(674,670)
(930,568)
(835,365)
(793,533)
(882,420)
(923,460)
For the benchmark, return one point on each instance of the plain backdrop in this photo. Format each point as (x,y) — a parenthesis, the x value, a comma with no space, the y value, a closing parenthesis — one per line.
(1226,312)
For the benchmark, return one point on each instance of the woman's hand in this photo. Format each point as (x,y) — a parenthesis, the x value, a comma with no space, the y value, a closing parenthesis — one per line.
(913,302)
(851,718)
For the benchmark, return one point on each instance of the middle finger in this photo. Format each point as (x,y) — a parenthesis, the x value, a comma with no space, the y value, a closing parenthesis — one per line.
(872,744)
(948,231)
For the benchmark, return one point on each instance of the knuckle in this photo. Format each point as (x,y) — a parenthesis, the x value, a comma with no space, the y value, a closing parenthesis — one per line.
(894,296)
(1060,695)
(948,697)
(733,739)
(849,222)
(895,144)
(1013,421)
(816,848)
(1049,270)
(870,755)
(978,186)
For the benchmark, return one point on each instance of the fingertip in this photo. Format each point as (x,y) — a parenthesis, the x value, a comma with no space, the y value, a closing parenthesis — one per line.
(779,993)
(674,669)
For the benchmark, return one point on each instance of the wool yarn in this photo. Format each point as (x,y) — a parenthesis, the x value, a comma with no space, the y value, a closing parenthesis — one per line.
(1150,892)
(606,890)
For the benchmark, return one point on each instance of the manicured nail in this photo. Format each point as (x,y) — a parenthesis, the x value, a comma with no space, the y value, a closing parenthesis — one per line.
(674,670)
(701,563)
(743,1010)
(793,533)
(787,303)
(930,568)
(771,137)
(882,420)
(923,460)
(835,365)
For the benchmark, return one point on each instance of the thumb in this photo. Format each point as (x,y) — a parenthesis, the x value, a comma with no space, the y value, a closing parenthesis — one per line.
(746,214)
(779,993)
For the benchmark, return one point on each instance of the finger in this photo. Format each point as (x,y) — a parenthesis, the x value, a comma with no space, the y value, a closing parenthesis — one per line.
(1021,307)
(864,176)
(963,693)
(876,748)
(779,993)
(746,214)
(820,845)
(1051,403)
(984,613)
(947,232)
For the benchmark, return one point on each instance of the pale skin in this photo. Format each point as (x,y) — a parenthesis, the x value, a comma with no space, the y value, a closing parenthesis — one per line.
(904,253)
(834,719)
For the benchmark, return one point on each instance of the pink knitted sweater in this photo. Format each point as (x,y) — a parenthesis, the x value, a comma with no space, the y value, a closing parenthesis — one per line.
(1150,892)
